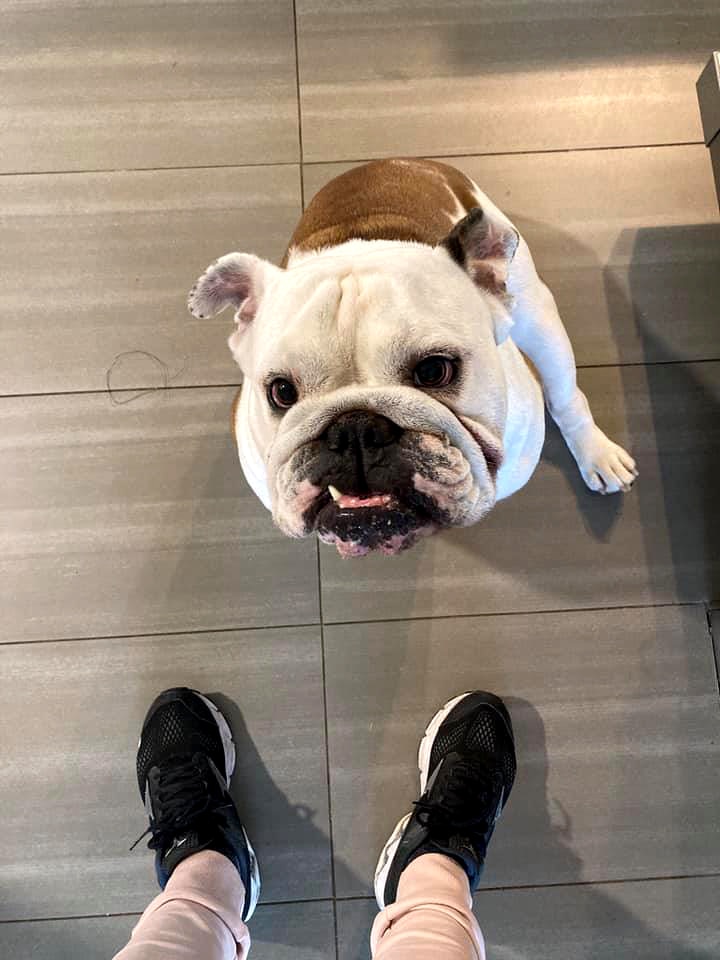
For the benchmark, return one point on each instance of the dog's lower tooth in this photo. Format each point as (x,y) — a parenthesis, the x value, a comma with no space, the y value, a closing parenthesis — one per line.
(334,493)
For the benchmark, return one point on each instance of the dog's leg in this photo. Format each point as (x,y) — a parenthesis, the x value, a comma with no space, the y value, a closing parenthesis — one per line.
(540,334)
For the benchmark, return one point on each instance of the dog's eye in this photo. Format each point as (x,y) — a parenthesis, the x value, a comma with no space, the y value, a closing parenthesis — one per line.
(282,394)
(435,372)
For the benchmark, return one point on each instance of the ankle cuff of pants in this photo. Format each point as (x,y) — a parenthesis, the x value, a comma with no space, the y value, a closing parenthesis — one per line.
(210,880)
(434,890)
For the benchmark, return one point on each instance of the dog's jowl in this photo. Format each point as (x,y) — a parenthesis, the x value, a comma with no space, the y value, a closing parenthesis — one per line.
(386,392)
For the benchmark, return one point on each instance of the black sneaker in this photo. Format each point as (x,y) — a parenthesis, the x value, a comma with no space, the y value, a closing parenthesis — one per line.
(467,768)
(186,757)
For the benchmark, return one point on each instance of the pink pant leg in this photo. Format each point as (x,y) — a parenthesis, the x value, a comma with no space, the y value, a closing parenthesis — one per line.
(197,917)
(432,917)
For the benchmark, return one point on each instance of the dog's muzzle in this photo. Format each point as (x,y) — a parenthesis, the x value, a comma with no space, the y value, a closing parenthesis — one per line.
(364,466)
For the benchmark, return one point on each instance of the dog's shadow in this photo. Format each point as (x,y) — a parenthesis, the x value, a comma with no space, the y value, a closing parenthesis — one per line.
(654,400)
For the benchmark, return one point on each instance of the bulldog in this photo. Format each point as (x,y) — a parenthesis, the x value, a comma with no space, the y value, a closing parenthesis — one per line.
(396,364)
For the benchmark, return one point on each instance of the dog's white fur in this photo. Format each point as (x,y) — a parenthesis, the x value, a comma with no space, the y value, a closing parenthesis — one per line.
(345,321)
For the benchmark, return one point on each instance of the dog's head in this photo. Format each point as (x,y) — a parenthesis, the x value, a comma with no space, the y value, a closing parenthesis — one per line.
(373,402)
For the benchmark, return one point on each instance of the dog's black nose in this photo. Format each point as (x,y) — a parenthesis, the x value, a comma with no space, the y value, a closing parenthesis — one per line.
(360,431)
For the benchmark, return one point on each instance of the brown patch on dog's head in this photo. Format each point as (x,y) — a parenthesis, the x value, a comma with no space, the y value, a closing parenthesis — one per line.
(407,200)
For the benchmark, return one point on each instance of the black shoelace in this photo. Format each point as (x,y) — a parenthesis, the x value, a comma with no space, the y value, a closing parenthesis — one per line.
(469,802)
(181,796)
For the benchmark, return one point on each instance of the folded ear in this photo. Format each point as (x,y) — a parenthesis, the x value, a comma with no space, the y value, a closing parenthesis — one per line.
(237,280)
(485,249)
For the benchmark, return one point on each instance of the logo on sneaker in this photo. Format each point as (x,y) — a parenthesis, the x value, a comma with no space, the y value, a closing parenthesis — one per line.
(499,808)
(148,801)
(433,777)
(176,844)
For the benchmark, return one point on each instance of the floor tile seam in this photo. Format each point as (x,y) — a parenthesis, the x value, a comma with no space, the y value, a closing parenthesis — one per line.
(163,634)
(478,155)
(298,103)
(713,646)
(323,665)
(516,613)
(367,898)
(469,155)
(630,364)
(90,171)
(614,882)
(139,913)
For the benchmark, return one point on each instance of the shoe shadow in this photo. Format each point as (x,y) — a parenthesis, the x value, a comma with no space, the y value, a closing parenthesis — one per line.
(599,919)
(284,836)
(576,919)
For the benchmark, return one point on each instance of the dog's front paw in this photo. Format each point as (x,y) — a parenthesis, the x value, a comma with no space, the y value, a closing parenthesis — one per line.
(605,467)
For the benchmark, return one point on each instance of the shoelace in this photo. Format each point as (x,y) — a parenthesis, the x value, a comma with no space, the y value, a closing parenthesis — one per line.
(181,797)
(468,793)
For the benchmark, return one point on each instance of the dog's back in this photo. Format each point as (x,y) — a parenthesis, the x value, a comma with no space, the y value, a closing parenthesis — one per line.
(408,200)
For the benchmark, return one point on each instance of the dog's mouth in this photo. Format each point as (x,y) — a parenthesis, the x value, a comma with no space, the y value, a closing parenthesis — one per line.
(387,523)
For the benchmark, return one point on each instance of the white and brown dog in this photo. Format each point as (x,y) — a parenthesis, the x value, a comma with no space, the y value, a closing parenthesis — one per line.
(386,393)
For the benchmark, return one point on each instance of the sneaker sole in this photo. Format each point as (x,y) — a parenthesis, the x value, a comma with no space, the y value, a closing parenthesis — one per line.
(253,895)
(225,735)
(424,751)
(386,858)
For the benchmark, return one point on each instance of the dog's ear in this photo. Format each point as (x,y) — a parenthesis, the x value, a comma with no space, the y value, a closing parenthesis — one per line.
(485,249)
(237,280)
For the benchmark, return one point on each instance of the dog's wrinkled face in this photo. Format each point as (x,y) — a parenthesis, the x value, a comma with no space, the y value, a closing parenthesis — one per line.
(373,403)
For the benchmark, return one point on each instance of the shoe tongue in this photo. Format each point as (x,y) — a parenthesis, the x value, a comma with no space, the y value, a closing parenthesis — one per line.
(175,763)
(475,792)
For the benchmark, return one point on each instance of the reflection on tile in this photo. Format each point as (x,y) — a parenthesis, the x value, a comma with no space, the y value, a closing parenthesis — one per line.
(135,518)
(80,805)
(96,266)
(555,545)
(160,83)
(380,79)
(655,920)
(628,241)
(616,725)
(292,931)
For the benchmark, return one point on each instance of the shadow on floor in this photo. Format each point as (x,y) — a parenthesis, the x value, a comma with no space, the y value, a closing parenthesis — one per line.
(685,403)
(660,305)
(606,924)
(512,36)
(293,826)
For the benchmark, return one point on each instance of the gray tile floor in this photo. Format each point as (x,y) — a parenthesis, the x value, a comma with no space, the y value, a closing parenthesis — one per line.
(141,140)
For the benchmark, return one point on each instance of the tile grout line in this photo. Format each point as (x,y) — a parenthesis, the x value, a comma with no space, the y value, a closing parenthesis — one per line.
(516,613)
(352,623)
(139,913)
(290,163)
(167,634)
(141,391)
(299,104)
(250,165)
(99,391)
(333,885)
(713,647)
(368,898)
(514,153)
(560,884)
